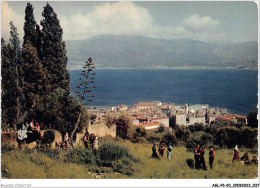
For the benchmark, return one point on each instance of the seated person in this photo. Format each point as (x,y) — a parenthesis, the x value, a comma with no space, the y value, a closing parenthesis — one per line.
(245,159)
(254,161)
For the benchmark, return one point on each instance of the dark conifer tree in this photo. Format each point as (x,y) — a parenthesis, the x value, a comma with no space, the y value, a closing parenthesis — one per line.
(8,86)
(30,33)
(53,52)
(15,51)
(31,70)
(32,75)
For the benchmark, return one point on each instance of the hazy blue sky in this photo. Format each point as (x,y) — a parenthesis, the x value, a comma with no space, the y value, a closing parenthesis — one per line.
(207,21)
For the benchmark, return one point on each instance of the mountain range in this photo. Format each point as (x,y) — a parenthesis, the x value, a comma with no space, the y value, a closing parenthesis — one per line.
(108,51)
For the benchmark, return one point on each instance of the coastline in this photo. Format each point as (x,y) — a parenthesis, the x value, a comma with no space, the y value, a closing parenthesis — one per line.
(171,68)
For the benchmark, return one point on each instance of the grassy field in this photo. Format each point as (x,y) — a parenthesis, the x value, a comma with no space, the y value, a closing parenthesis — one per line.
(32,164)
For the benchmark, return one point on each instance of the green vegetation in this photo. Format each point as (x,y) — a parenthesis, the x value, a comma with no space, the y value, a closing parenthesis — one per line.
(35,79)
(119,159)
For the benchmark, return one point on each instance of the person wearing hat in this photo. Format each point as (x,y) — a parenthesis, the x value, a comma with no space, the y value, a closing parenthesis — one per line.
(211,156)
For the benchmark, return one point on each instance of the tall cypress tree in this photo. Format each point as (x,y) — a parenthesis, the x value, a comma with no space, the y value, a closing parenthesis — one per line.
(53,52)
(8,86)
(32,76)
(30,33)
(15,50)
(31,71)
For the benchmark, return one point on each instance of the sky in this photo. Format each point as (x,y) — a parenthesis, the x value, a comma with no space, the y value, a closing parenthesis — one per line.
(208,21)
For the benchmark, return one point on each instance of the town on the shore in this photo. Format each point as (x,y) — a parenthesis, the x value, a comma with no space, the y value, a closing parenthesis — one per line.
(152,115)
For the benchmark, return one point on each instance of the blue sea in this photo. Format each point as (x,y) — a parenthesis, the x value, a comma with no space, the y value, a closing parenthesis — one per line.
(235,90)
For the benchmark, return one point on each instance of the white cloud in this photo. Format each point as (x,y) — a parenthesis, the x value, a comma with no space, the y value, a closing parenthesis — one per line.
(125,17)
(120,18)
(8,14)
(195,23)
(108,18)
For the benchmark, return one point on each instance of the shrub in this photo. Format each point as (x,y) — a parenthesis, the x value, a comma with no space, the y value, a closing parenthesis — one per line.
(141,131)
(182,133)
(153,139)
(228,136)
(197,127)
(48,137)
(123,166)
(52,153)
(252,119)
(112,152)
(122,125)
(80,156)
(160,129)
(169,138)
(6,148)
(248,137)
(200,137)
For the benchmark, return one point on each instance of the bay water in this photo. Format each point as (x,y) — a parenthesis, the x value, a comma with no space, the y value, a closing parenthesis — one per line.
(235,90)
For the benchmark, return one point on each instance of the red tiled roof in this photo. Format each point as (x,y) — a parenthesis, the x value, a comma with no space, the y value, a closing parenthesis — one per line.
(224,118)
(160,117)
(141,118)
(145,105)
(146,124)
(236,116)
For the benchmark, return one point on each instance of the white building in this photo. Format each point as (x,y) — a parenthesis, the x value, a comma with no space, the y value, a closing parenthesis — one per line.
(162,120)
(179,119)
(149,125)
(196,119)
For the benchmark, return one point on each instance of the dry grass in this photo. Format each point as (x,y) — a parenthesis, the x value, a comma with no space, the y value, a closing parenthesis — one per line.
(177,168)
(32,164)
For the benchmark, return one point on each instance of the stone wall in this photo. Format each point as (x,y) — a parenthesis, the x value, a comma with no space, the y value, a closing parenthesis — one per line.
(58,137)
(10,138)
(101,130)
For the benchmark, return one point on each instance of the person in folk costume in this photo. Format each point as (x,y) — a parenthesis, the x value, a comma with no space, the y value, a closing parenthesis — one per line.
(202,159)
(236,154)
(169,152)
(197,156)
(86,141)
(211,156)
(155,154)
(92,139)
(245,159)
(254,161)
(161,149)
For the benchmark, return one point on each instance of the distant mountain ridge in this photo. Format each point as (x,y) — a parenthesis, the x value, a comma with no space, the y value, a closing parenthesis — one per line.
(110,51)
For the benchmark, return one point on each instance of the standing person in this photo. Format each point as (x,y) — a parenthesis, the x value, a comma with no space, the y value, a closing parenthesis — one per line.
(169,152)
(202,159)
(86,141)
(197,156)
(236,154)
(155,154)
(211,156)
(161,149)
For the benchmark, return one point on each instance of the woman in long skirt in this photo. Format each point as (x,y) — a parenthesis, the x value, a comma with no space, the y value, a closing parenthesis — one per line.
(236,154)
(169,152)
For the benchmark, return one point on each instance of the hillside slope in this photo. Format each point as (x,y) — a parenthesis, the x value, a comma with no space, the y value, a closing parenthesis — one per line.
(110,51)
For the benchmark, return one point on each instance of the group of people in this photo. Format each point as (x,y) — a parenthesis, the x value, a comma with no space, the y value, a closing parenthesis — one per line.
(199,153)
(90,141)
(161,149)
(26,129)
(245,159)
(200,159)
